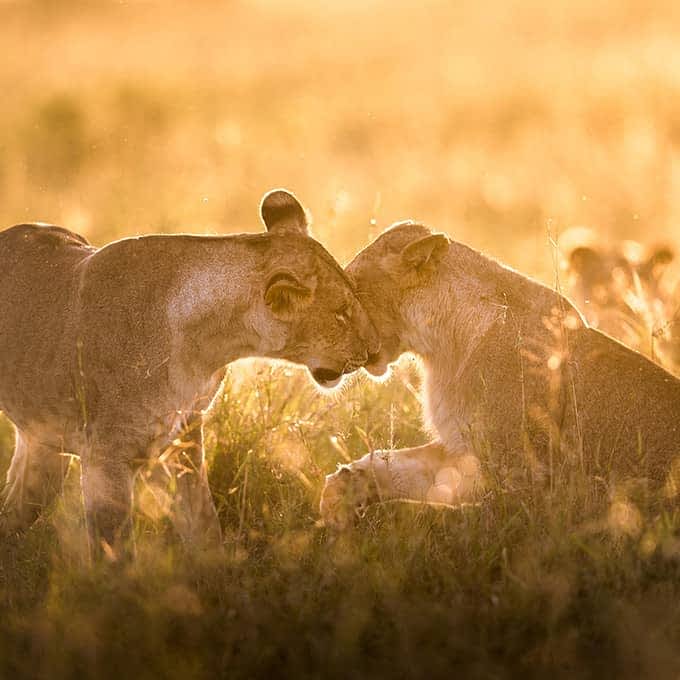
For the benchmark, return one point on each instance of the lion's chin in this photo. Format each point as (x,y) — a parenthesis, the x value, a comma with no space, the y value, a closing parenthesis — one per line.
(380,363)
(329,384)
(379,369)
(326,378)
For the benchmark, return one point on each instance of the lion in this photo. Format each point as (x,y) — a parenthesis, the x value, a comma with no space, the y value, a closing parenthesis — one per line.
(115,354)
(511,368)
(626,289)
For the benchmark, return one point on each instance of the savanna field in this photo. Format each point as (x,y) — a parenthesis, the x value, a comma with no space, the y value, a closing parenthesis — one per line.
(502,124)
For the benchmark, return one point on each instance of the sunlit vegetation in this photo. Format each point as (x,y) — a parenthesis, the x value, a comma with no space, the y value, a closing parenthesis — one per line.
(502,124)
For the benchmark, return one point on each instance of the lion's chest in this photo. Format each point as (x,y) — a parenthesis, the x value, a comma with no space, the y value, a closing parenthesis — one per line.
(478,403)
(443,409)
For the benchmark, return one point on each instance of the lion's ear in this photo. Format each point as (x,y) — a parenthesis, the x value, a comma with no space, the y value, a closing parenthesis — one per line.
(584,260)
(425,254)
(285,295)
(655,265)
(281,213)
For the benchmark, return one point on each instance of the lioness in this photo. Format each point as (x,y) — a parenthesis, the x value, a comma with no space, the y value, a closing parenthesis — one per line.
(627,290)
(511,367)
(115,353)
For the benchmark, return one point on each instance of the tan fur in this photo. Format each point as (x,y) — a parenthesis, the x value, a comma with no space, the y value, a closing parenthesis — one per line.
(115,353)
(512,371)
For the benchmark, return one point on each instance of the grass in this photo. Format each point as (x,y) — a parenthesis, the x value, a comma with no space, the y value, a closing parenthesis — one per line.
(500,123)
(528,584)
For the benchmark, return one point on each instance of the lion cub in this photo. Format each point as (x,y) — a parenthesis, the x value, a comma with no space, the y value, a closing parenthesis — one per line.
(511,368)
(116,353)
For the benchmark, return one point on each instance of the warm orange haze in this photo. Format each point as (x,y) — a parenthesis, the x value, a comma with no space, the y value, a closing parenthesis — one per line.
(545,135)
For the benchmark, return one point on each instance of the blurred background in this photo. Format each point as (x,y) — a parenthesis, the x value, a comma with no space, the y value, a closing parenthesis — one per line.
(498,122)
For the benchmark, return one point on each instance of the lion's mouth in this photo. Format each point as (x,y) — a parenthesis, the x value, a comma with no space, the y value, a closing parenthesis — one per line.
(326,377)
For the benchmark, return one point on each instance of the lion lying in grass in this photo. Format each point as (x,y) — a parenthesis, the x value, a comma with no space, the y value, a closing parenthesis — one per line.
(511,368)
(115,353)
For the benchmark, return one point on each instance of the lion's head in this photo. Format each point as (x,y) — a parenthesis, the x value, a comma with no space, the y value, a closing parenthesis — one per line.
(388,273)
(309,306)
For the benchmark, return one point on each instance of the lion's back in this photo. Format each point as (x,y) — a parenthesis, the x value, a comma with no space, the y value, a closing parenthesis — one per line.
(629,407)
(38,277)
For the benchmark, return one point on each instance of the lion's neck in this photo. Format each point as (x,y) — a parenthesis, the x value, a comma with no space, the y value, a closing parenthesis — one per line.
(467,318)
(210,308)
(445,321)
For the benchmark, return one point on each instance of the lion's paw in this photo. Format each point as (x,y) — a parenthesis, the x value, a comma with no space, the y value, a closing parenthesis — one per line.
(345,495)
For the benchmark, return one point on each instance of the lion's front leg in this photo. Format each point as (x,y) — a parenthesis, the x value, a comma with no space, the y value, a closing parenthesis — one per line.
(107,482)
(193,513)
(425,474)
(35,476)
